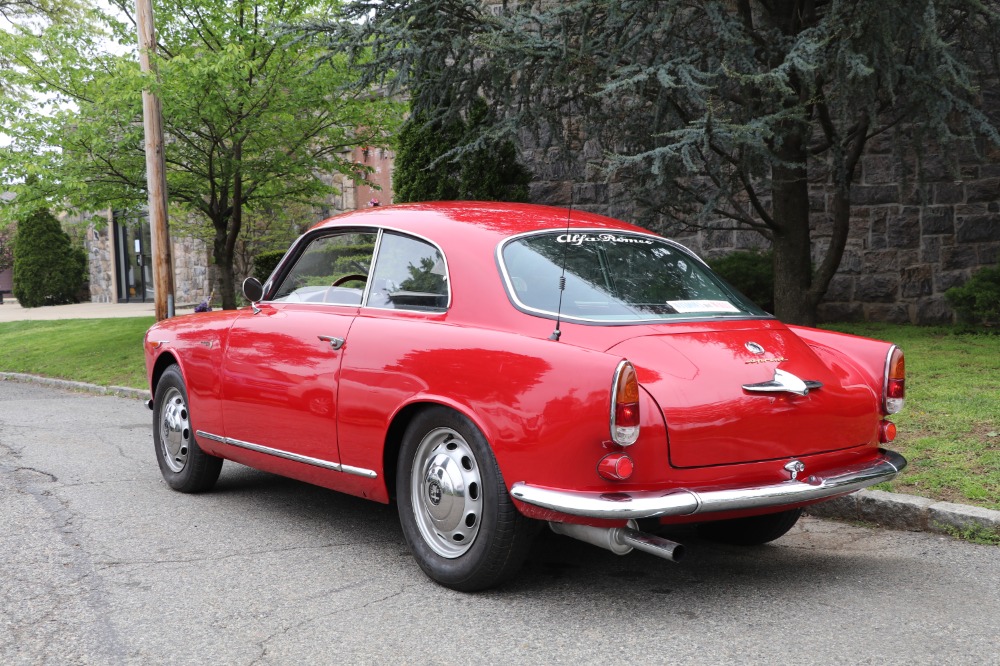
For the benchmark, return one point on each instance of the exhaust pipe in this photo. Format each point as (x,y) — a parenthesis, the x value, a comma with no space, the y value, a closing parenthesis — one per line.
(621,540)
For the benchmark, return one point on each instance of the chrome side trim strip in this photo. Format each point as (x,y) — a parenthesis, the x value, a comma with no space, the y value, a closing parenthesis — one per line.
(287,455)
(685,502)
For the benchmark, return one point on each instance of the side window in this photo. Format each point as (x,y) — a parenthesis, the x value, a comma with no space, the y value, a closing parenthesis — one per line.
(331,269)
(409,275)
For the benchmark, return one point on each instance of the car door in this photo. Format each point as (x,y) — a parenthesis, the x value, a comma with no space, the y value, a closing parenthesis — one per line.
(282,364)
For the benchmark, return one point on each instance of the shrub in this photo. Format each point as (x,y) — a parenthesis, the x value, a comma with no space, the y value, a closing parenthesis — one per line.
(489,172)
(265,262)
(978,300)
(48,270)
(752,273)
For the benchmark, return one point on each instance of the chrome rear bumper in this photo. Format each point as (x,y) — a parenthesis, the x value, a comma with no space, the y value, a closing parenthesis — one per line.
(685,502)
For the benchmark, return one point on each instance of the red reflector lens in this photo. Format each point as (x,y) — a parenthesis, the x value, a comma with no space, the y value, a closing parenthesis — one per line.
(896,388)
(615,467)
(886,432)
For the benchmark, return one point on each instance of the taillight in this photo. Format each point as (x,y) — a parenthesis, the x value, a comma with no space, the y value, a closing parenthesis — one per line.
(625,405)
(894,390)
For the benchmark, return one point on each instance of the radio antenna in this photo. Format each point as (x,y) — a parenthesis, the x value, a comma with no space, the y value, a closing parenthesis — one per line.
(562,278)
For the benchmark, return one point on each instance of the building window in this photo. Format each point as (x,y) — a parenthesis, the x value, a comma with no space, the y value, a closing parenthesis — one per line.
(133,259)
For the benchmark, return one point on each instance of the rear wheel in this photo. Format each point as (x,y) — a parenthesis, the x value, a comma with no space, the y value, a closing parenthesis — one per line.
(751,531)
(185,467)
(456,514)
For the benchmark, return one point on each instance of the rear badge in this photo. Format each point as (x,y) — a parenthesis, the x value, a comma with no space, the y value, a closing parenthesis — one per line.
(754,348)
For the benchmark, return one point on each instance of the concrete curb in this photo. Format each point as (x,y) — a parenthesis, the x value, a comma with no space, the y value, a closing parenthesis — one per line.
(892,510)
(909,512)
(121,391)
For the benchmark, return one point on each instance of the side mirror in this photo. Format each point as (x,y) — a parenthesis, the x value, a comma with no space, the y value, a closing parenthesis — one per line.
(253,289)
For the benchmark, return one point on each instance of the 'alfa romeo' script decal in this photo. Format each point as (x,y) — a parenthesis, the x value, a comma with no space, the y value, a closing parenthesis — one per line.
(580,239)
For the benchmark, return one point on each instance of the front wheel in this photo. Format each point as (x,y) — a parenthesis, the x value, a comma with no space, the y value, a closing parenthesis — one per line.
(456,514)
(185,467)
(751,531)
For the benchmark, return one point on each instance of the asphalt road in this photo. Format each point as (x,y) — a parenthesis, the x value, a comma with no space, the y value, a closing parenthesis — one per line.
(103,564)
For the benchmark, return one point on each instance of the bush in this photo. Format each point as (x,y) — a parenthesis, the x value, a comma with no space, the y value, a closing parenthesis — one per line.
(48,270)
(265,263)
(490,172)
(978,300)
(752,273)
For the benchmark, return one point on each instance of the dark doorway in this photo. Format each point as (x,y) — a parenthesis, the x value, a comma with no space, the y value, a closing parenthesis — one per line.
(133,259)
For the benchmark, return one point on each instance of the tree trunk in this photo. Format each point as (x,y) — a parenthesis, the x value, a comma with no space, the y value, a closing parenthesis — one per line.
(793,299)
(224,263)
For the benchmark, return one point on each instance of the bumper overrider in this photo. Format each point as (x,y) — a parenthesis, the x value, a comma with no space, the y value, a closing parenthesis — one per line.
(686,502)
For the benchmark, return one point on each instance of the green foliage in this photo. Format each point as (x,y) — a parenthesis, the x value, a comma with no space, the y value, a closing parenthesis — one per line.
(978,300)
(7,247)
(265,263)
(48,269)
(752,273)
(698,111)
(251,122)
(430,167)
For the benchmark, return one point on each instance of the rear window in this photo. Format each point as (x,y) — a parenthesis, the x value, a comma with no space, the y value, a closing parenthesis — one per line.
(615,277)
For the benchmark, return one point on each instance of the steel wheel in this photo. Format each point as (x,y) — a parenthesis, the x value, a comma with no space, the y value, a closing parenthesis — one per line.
(175,430)
(457,517)
(185,467)
(446,492)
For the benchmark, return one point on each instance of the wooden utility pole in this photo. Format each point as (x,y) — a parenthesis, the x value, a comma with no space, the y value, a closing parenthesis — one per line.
(156,180)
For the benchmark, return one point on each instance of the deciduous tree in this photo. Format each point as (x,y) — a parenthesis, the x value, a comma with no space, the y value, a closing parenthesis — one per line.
(250,121)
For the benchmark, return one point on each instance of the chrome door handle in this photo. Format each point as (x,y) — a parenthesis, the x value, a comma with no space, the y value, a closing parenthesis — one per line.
(335,343)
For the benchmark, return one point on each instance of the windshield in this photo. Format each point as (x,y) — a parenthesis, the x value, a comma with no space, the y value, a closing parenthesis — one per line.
(616,277)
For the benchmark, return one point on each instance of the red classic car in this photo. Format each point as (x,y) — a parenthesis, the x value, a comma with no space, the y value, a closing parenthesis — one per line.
(495,367)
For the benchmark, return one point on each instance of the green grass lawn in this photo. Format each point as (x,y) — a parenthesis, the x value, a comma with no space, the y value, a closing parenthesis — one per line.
(107,352)
(949,430)
(950,427)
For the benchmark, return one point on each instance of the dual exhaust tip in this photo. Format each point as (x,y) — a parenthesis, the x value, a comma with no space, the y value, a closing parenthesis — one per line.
(622,540)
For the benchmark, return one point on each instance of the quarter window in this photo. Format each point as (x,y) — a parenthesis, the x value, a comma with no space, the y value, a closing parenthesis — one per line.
(410,274)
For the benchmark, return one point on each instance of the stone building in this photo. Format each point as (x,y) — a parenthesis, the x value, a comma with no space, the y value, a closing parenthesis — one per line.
(119,249)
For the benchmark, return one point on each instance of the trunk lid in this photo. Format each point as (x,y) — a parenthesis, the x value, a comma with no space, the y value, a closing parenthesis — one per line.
(698,378)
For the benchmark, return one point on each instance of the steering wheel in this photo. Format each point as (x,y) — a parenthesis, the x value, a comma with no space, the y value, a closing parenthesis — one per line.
(349,278)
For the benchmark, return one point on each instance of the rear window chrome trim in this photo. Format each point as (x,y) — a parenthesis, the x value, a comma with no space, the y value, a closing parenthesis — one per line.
(547,314)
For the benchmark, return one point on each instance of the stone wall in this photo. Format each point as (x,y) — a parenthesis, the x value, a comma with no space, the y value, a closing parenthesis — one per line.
(911,239)
(193,276)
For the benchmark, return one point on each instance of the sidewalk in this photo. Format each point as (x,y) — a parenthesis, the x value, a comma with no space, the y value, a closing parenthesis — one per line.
(12,311)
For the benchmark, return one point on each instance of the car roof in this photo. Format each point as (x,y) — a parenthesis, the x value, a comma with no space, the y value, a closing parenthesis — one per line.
(486,221)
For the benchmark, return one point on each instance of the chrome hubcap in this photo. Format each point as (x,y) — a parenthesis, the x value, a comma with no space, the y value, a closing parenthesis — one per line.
(446,492)
(175,430)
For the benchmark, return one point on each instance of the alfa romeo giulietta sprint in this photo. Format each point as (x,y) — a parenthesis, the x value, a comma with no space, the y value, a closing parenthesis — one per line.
(494,367)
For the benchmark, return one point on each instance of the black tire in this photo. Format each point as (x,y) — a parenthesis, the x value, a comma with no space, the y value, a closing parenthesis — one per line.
(752,531)
(185,467)
(458,519)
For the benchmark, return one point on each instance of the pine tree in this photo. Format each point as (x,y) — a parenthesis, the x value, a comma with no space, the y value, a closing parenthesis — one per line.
(705,110)
(431,165)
